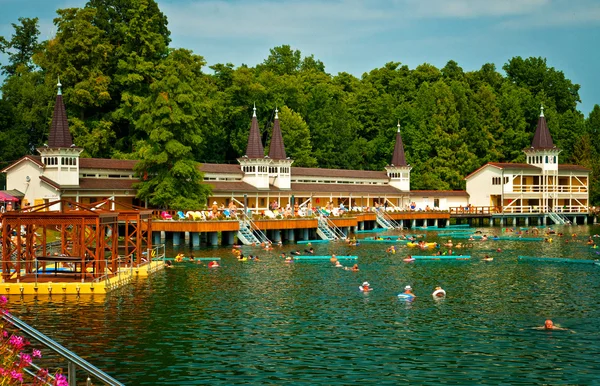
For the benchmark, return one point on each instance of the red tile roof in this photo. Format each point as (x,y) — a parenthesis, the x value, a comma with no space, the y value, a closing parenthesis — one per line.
(47,180)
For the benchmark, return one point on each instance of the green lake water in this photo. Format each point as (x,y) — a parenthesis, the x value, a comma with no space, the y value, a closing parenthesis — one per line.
(272,323)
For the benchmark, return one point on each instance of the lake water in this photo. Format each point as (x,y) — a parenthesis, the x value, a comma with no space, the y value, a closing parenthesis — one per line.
(307,323)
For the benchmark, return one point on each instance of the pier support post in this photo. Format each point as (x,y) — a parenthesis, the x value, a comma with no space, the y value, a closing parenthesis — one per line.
(195,239)
(276,235)
(540,220)
(585,220)
(213,238)
(574,220)
(176,238)
(526,221)
(413,223)
(227,238)
(305,234)
(514,221)
(544,220)
(435,223)
(401,222)
(155,238)
(186,237)
(291,236)
(163,236)
(361,225)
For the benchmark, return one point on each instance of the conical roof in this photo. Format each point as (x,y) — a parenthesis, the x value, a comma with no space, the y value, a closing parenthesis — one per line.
(255,148)
(276,149)
(60,136)
(542,138)
(398,158)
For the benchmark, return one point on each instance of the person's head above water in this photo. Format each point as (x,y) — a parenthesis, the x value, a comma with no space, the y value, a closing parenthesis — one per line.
(548,324)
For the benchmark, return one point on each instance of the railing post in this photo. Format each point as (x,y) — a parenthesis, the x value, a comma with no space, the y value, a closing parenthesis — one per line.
(71,373)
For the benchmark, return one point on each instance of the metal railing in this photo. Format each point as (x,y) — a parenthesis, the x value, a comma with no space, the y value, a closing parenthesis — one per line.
(74,362)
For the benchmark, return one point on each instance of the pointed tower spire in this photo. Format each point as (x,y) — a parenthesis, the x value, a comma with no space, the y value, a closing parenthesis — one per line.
(255,148)
(542,138)
(398,158)
(276,149)
(60,136)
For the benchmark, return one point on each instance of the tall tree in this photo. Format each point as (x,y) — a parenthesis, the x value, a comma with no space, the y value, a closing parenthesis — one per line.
(21,47)
(173,117)
(296,137)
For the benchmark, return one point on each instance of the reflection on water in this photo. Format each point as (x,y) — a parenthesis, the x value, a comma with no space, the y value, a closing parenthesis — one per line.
(273,323)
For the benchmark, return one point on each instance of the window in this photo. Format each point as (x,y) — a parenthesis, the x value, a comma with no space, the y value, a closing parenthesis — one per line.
(496,180)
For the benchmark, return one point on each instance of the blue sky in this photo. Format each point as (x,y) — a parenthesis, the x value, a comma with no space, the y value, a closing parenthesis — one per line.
(357,36)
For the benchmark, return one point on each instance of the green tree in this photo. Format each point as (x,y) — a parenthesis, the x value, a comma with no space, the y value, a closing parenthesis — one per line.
(22,45)
(173,118)
(296,137)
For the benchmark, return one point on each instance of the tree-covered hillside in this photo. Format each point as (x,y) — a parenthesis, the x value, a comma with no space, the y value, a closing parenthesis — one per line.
(130,95)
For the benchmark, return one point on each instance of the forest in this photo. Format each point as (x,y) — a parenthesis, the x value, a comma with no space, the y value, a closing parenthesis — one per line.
(130,95)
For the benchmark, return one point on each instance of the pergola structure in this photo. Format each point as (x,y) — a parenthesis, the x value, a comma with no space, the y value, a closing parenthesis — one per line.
(136,243)
(86,238)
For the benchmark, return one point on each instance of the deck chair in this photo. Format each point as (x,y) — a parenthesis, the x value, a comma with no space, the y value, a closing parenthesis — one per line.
(181,215)
(166,216)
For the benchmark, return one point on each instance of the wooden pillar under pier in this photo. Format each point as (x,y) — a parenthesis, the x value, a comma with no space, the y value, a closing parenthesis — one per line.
(176,238)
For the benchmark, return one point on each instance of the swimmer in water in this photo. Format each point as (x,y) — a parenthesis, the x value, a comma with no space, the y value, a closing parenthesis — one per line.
(549,325)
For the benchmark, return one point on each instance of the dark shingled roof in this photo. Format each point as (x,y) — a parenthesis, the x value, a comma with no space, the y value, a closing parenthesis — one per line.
(439,193)
(255,148)
(106,184)
(398,158)
(353,174)
(346,189)
(542,138)
(236,186)
(277,149)
(60,136)
(221,168)
(106,163)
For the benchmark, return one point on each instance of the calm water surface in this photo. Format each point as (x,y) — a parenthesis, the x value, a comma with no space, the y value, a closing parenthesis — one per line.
(307,323)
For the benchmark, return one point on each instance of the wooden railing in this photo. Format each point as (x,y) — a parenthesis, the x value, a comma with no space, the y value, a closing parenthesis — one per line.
(548,189)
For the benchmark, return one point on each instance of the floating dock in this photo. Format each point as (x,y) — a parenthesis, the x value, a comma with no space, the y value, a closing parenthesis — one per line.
(557,260)
(312,241)
(374,230)
(442,257)
(320,257)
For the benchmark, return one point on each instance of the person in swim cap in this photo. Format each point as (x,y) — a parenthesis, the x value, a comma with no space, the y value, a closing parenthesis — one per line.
(365,287)
(438,292)
(408,290)
(549,325)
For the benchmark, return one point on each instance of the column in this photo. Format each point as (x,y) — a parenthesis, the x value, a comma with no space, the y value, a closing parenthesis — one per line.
(413,224)
(195,239)
(291,236)
(526,221)
(176,238)
(447,222)
(276,235)
(539,220)
(305,234)
(227,238)
(515,221)
(435,223)
(163,236)
(213,238)
(361,225)
(574,220)
(156,238)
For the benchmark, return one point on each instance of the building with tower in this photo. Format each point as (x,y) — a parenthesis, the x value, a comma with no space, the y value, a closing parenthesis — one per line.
(541,185)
